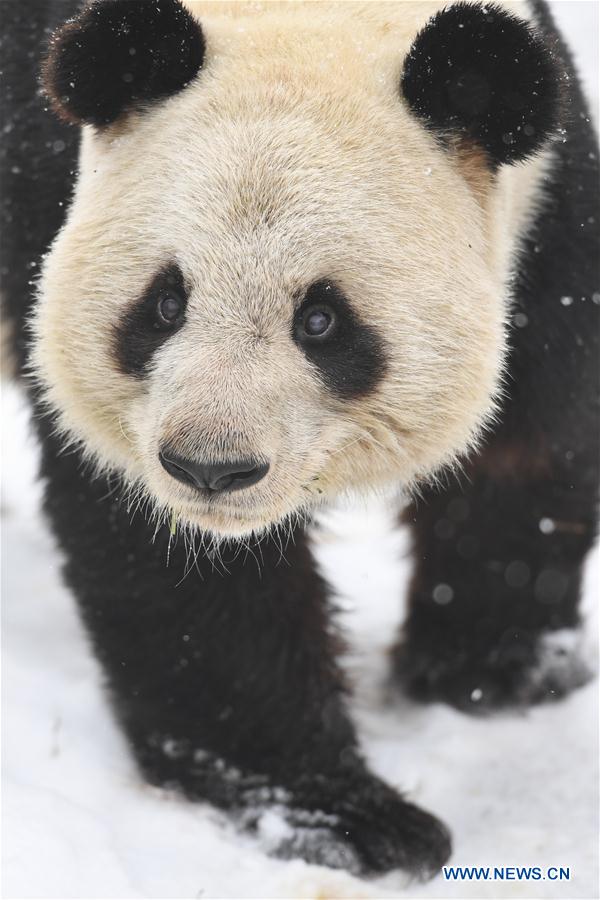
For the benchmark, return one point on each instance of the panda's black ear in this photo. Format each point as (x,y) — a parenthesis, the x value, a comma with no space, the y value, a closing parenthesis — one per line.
(119,54)
(477,72)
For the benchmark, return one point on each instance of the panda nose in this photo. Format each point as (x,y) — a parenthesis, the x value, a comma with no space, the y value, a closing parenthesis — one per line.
(227,476)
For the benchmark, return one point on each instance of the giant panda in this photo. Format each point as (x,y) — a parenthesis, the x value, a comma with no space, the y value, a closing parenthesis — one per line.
(258,255)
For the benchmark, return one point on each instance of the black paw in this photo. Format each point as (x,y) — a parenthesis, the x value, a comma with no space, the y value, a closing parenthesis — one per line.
(355,822)
(347,819)
(518,673)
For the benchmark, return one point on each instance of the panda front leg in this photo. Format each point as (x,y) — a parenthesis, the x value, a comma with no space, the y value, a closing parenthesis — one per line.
(493,613)
(225,681)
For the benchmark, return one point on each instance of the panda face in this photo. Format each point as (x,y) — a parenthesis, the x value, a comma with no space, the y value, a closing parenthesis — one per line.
(266,294)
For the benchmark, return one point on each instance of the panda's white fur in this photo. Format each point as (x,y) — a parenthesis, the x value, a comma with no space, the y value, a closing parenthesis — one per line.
(289,159)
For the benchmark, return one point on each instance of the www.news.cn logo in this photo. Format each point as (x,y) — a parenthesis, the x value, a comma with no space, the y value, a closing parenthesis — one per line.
(506,873)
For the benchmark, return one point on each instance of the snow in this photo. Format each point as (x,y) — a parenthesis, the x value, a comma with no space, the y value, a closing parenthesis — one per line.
(516,788)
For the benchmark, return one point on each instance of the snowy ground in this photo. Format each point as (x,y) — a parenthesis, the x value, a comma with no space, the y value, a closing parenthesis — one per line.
(517,789)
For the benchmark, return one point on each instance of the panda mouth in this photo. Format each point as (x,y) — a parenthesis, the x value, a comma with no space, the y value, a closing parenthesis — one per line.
(218,507)
(228,519)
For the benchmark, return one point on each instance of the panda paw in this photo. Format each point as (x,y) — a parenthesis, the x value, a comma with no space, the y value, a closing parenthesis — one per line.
(343,819)
(357,824)
(547,669)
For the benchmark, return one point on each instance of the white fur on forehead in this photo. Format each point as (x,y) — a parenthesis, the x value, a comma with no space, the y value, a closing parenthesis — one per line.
(288,160)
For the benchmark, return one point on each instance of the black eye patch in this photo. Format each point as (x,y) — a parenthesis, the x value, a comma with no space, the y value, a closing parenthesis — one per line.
(151,321)
(348,353)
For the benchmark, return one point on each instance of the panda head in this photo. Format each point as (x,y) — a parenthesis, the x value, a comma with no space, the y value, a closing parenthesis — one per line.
(279,276)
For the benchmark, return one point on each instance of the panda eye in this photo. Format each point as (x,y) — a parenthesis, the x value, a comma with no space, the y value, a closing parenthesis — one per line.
(318,322)
(169,310)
